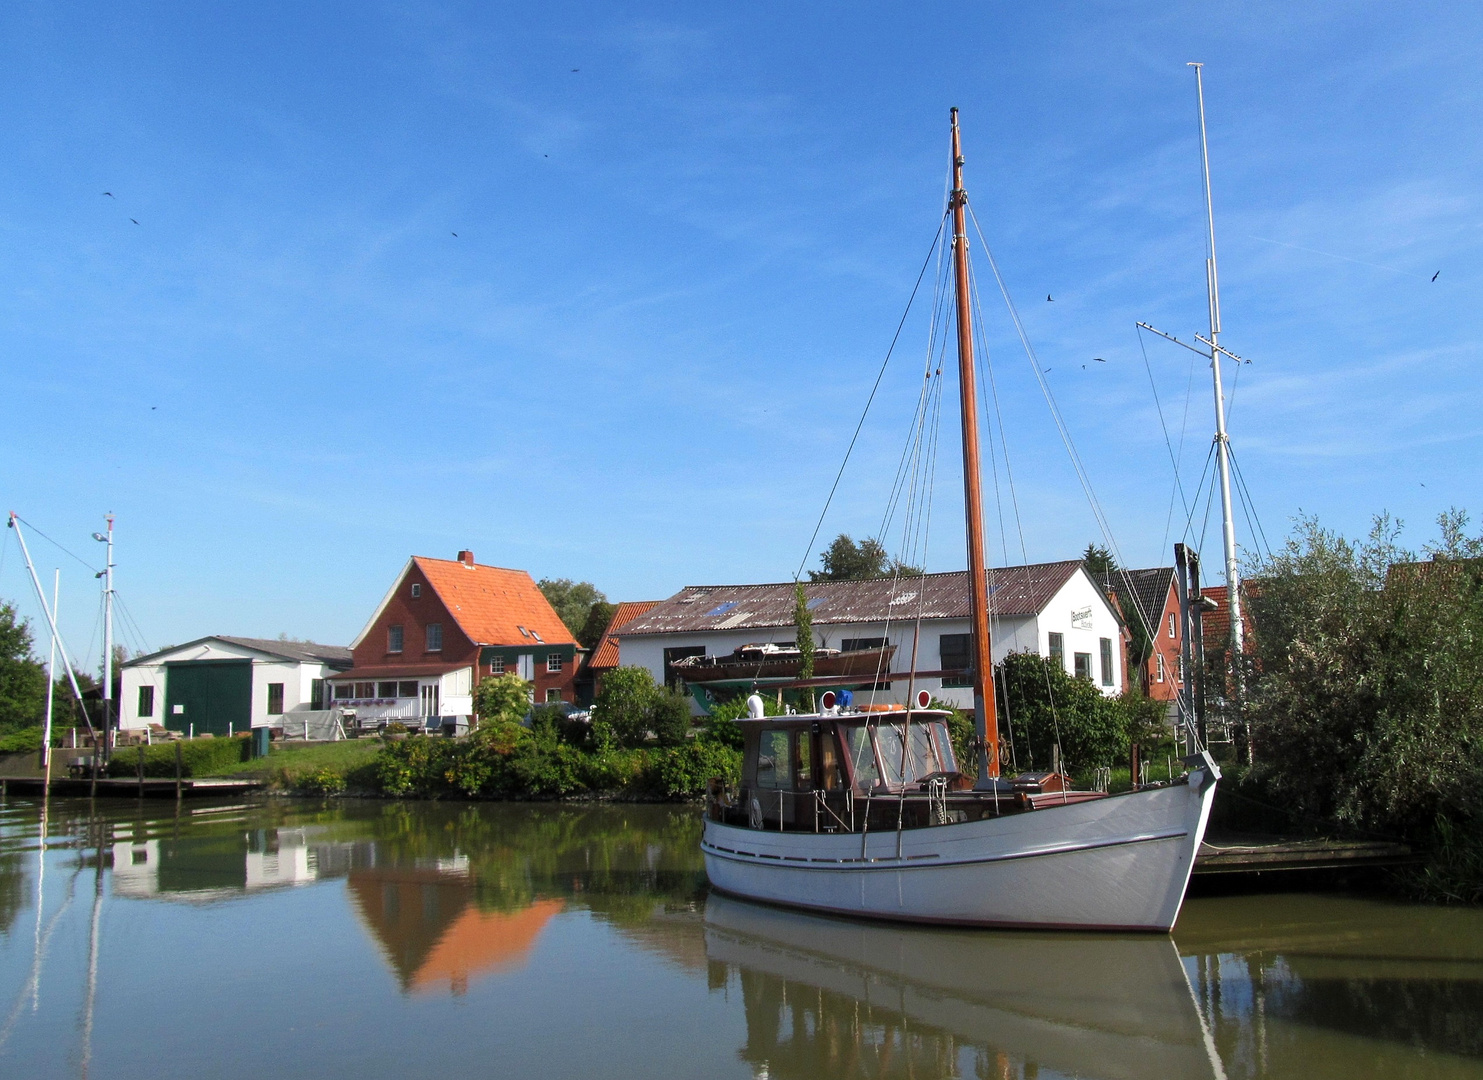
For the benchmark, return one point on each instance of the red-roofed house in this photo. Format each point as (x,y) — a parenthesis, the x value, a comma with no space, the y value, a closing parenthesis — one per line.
(604,657)
(445,624)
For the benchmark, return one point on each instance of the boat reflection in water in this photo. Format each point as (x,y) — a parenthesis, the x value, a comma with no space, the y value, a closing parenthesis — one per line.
(827,996)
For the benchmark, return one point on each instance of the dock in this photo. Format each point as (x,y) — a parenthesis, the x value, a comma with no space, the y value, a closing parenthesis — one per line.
(120,788)
(1262,854)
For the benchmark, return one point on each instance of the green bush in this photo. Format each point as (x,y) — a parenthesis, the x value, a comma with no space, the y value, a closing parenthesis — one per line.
(721,725)
(199,757)
(684,771)
(24,740)
(321,781)
(502,697)
(624,703)
(669,717)
(1044,706)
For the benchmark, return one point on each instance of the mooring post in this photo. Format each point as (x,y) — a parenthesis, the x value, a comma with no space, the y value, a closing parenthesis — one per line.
(177,772)
(141,770)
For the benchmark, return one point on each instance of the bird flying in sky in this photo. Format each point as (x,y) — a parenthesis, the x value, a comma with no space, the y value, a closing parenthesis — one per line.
(1436,275)
(109,194)
(134,220)
(1048,300)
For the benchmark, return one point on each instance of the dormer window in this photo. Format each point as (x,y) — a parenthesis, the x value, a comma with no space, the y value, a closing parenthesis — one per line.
(416,591)
(434,637)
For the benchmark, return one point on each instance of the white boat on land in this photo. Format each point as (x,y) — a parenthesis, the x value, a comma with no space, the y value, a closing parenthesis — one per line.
(868,813)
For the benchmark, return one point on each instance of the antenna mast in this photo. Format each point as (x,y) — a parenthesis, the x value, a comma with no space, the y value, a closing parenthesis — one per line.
(1222,440)
(985,714)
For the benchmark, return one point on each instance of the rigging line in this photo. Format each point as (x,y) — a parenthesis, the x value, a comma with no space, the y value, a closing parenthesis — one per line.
(49,540)
(1168,443)
(1251,502)
(1082,474)
(993,389)
(866,411)
(137,630)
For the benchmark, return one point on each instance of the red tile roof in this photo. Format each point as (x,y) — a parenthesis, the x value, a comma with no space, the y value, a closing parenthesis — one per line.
(491,603)
(606,654)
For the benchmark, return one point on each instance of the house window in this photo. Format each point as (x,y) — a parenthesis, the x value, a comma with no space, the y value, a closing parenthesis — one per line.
(1058,649)
(365,689)
(275,699)
(344,691)
(146,701)
(953,650)
(434,637)
(1159,672)
(553,661)
(1084,666)
(316,694)
(1106,661)
(553,696)
(416,591)
(393,639)
(497,666)
(386,690)
(406,689)
(855,644)
(1171,623)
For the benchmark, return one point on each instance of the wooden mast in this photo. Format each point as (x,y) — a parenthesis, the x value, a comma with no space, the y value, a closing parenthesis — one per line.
(985,714)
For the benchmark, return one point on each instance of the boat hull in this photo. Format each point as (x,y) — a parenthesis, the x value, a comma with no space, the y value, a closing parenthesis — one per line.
(1119,863)
(863,663)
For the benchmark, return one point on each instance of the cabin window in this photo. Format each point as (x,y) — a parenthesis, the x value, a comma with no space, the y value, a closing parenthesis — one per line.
(434,637)
(386,690)
(146,701)
(862,756)
(275,698)
(553,661)
(774,761)
(1171,624)
(1057,644)
(954,651)
(906,754)
(407,689)
(803,760)
(416,591)
(1084,666)
(944,747)
(1106,661)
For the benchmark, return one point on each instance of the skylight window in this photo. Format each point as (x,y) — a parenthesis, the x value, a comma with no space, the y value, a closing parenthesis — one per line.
(722,609)
(816,601)
(523,631)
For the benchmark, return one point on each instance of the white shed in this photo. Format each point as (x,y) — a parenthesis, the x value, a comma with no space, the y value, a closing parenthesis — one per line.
(223,684)
(1054,609)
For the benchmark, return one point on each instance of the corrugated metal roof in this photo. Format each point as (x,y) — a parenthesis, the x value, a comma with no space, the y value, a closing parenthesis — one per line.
(1013,590)
(606,653)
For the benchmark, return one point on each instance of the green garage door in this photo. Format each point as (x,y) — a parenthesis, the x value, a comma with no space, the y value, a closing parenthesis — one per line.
(211,694)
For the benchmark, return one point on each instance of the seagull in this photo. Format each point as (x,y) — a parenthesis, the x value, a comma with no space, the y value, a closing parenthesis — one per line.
(134,220)
(455,234)
(109,194)
(152,408)
(1047,371)
(1048,300)
(575,70)
(1436,275)
(1099,360)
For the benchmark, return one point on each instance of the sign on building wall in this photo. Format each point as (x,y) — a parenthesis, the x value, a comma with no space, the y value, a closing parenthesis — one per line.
(1081,619)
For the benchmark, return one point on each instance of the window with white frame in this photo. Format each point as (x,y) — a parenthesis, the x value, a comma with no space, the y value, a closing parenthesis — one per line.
(553,696)
(1171,623)
(394,639)
(1159,672)
(1106,659)
(497,665)
(434,637)
(416,590)
(553,661)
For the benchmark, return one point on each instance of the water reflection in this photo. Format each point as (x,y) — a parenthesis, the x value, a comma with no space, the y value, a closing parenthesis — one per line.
(366,937)
(831,997)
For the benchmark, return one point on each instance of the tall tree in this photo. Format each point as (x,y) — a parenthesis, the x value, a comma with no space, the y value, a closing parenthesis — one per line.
(846,560)
(599,616)
(803,622)
(573,601)
(22,679)
(1098,560)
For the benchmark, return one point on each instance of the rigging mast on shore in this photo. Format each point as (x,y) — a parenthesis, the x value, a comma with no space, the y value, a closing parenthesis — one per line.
(984,711)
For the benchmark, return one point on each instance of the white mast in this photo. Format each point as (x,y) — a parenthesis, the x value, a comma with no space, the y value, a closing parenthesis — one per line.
(1222,440)
(51,622)
(51,683)
(107,576)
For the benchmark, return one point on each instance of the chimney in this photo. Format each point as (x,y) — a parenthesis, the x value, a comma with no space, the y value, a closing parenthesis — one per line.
(467,558)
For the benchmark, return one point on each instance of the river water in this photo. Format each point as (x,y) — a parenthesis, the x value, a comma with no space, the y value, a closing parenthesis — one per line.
(366,940)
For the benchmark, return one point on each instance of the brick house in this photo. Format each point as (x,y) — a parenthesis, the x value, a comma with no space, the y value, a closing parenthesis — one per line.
(1152,595)
(444,625)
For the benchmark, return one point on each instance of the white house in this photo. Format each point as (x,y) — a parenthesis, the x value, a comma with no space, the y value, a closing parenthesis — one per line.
(222,684)
(1054,609)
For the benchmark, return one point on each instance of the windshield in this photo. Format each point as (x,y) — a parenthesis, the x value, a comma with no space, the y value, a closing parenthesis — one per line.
(862,756)
(906,753)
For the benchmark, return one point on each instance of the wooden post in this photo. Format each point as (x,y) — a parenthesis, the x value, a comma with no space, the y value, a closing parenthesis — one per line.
(141,771)
(1133,764)
(177,771)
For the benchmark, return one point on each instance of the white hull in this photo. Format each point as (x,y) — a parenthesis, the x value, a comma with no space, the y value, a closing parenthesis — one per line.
(1119,863)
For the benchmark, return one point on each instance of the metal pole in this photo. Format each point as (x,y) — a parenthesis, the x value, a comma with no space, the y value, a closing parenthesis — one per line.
(108,635)
(1222,440)
(51,682)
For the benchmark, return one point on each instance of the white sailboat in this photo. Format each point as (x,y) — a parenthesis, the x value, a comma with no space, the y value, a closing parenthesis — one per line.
(867,813)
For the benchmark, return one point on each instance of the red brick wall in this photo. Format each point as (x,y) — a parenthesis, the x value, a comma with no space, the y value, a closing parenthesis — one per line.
(413,616)
(1169,647)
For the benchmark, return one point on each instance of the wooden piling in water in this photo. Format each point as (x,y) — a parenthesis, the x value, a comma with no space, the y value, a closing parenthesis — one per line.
(177,770)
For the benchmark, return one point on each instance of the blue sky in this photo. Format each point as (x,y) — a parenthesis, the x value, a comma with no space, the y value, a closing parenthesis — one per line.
(676,271)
